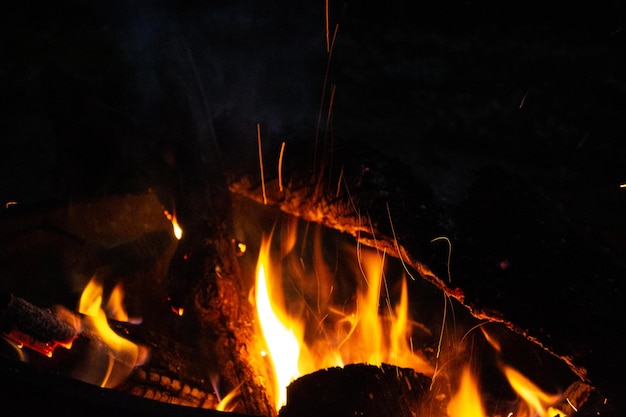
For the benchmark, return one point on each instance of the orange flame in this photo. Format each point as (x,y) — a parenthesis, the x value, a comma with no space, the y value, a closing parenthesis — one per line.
(282,336)
(118,357)
(360,335)
(178,231)
(538,403)
(305,332)
(467,401)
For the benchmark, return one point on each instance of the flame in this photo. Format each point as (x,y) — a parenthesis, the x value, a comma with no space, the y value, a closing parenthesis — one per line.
(306,330)
(365,333)
(279,332)
(178,231)
(467,400)
(537,402)
(118,356)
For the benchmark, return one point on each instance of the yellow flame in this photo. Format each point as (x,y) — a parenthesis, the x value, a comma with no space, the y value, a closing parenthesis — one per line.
(282,339)
(123,355)
(467,400)
(538,402)
(178,231)
(368,328)
(228,403)
(360,335)
(115,306)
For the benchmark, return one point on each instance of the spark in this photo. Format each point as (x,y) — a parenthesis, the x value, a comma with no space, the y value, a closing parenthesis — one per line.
(280,167)
(323,99)
(449,253)
(521,104)
(623,185)
(258,134)
(571,405)
(472,329)
(10,203)
(395,242)
(333,88)
(327,28)
(339,182)
(440,342)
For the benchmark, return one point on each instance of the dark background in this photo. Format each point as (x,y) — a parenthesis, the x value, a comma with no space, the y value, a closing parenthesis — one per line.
(511,113)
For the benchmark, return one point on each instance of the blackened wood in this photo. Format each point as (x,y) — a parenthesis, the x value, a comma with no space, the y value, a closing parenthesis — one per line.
(35,327)
(358,390)
(204,283)
(28,390)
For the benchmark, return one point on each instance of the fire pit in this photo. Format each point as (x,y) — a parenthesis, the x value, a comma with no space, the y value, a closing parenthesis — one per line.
(172,245)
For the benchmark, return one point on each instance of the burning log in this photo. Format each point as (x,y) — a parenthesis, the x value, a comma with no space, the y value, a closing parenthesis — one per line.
(385,209)
(37,328)
(357,390)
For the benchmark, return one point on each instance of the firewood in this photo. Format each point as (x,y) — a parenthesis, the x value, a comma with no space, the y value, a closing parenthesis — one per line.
(29,390)
(32,326)
(357,390)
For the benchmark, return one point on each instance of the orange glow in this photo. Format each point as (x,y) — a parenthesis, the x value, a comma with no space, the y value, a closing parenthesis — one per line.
(466,402)
(120,355)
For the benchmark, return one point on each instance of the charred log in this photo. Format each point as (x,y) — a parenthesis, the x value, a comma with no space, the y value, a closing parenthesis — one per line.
(37,328)
(31,390)
(364,390)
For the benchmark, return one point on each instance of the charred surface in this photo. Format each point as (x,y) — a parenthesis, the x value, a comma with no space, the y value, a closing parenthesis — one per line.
(364,390)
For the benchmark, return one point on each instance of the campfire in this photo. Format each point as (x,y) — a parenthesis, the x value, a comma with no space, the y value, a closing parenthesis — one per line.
(204,257)
(331,313)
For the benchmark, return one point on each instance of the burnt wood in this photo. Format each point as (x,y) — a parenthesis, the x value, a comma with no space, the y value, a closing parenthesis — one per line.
(359,389)
(29,390)
(38,328)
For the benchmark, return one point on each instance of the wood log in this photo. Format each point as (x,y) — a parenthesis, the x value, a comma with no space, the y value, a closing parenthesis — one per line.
(37,328)
(30,390)
(358,390)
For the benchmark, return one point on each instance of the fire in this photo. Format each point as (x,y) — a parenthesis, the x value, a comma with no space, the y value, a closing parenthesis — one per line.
(537,402)
(282,335)
(358,335)
(467,400)
(316,332)
(178,231)
(115,357)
